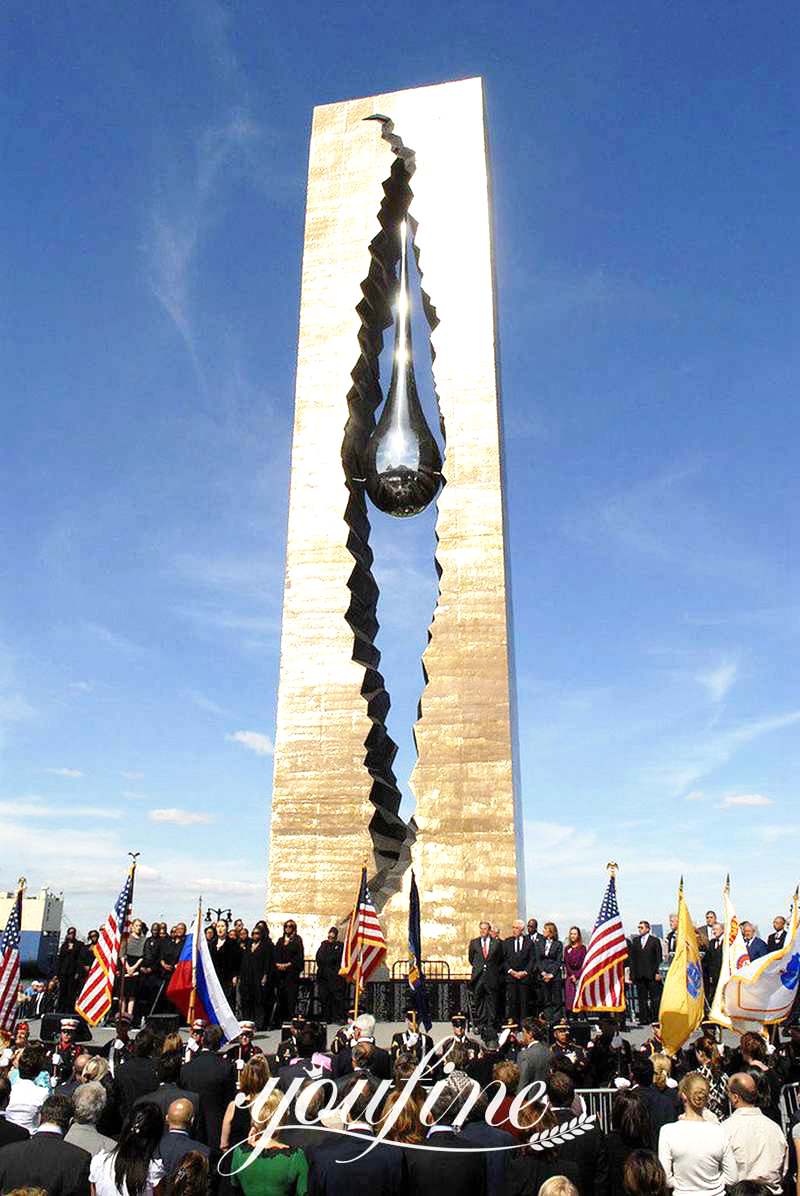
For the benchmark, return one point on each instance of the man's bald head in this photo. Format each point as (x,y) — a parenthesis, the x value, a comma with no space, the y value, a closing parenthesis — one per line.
(80,1063)
(742,1089)
(180,1114)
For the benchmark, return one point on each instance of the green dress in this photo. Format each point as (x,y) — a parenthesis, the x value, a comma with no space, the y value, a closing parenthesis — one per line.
(275,1172)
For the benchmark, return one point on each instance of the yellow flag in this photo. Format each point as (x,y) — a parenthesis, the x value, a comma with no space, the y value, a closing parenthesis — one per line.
(682,1000)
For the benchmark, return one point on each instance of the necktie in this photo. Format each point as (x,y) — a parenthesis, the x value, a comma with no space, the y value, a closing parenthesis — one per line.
(485,948)
(519,944)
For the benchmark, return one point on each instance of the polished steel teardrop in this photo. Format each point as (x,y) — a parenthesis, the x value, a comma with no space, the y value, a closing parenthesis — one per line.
(403,465)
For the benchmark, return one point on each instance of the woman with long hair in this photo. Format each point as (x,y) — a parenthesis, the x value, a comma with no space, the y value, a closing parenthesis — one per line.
(574,955)
(236,1122)
(549,960)
(191,1178)
(694,1151)
(133,1167)
(408,1127)
(644,1175)
(279,1170)
(529,1168)
(631,1130)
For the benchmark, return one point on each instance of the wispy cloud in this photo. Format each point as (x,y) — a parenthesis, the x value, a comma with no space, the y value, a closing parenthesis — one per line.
(113,639)
(71,773)
(695,795)
(179,817)
(254,740)
(130,775)
(746,799)
(179,223)
(719,681)
(208,705)
(81,687)
(35,807)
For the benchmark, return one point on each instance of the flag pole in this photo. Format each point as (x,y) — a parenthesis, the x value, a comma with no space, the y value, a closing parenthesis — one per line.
(193,994)
(122,956)
(360,944)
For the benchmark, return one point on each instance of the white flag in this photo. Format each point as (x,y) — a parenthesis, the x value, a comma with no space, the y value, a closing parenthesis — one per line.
(764,991)
(734,956)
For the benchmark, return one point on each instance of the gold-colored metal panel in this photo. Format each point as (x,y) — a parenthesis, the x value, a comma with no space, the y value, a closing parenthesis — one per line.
(467,854)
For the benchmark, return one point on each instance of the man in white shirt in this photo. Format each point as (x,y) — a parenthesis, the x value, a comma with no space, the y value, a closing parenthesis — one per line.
(758,1144)
(26,1097)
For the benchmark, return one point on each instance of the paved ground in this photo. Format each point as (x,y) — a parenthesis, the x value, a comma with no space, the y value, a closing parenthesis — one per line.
(268,1040)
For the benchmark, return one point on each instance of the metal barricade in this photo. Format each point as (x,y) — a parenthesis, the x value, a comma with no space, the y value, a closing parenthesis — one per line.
(790,1102)
(598,1103)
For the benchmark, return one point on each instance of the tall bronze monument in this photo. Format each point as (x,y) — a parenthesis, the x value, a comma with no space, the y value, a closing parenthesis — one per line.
(414,173)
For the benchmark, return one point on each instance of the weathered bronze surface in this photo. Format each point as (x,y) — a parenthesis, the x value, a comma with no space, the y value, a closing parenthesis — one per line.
(329,810)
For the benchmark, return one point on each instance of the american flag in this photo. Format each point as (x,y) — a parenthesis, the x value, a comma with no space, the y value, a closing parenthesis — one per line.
(601,985)
(365,945)
(9,965)
(95,999)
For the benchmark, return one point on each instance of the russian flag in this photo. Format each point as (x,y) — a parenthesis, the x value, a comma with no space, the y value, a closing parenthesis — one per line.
(210,1001)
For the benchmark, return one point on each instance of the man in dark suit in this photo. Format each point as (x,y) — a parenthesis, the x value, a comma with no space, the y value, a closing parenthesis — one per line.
(168,1070)
(777,939)
(176,1141)
(756,947)
(518,965)
(588,1151)
(549,956)
(334,1166)
(485,956)
(45,1160)
(363,1031)
(446,1166)
(712,961)
(136,1075)
(8,1131)
(213,1078)
(644,960)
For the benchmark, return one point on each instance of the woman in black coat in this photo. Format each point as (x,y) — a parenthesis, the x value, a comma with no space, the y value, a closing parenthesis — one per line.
(226,958)
(289,963)
(254,973)
(69,956)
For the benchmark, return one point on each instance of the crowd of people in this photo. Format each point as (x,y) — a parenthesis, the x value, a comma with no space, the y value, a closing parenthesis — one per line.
(525,972)
(154,1114)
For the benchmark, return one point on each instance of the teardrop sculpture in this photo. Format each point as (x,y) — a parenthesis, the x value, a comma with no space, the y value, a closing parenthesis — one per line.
(403,465)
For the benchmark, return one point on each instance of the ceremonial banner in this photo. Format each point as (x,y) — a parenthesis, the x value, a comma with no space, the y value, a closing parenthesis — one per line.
(416,976)
(94,1001)
(365,943)
(601,984)
(9,963)
(734,956)
(211,1004)
(763,991)
(682,1000)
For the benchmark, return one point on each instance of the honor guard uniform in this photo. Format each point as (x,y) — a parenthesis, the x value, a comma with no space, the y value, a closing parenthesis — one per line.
(62,1055)
(442,1061)
(653,1045)
(411,1041)
(287,1047)
(508,1046)
(195,1038)
(243,1049)
(573,1058)
(344,1035)
(120,1048)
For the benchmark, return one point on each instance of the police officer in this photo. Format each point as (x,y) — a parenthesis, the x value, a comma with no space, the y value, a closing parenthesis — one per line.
(572,1057)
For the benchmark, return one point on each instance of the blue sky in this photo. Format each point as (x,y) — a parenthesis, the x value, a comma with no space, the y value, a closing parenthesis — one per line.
(646,234)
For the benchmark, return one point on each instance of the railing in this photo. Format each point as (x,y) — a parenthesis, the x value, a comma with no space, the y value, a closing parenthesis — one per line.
(790,1102)
(598,1103)
(434,969)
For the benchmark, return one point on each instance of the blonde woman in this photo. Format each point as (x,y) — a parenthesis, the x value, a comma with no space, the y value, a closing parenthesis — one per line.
(694,1151)
(279,1169)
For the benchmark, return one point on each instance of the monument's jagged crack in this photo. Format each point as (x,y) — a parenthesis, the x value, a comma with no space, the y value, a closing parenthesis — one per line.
(392,837)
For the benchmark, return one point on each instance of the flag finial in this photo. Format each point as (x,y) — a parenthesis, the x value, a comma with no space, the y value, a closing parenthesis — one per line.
(612,868)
